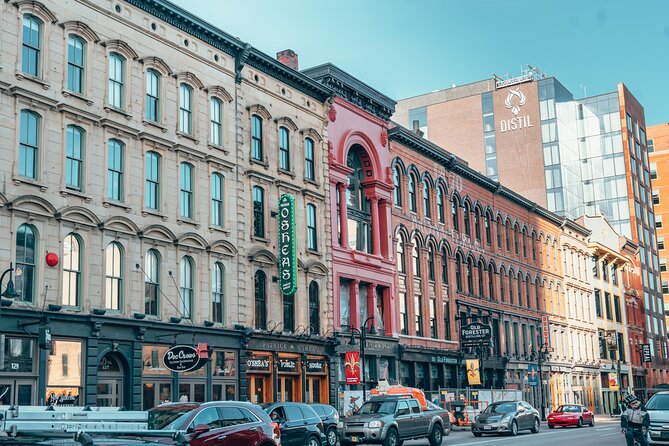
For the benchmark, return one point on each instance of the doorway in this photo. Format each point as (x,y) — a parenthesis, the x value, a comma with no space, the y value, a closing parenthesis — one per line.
(111,381)
(17,391)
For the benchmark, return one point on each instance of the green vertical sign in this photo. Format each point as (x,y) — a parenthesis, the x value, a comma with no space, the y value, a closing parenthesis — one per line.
(287,254)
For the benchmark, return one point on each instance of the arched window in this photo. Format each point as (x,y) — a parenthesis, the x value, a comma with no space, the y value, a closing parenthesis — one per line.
(152,100)
(499,233)
(507,236)
(465,214)
(455,213)
(31,58)
(515,239)
(534,247)
(216,121)
(528,284)
(519,279)
(186,286)
(412,193)
(480,271)
(430,263)
(186,190)
(218,293)
(256,138)
(115,167)
(114,276)
(488,235)
(510,286)
(260,297)
(284,149)
(314,308)
(358,205)
(397,183)
(427,209)
(71,295)
(491,282)
(502,279)
(185,109)
(217,194)
(470,277)
(74,157)
(416,258)
(29,143)
(151,282)
(444,267)
(76,49)
(458,272)
(309,160)
(26,247)
(523,236)
(477,224)
(116,80)
(440,205)
(258,212)
(152,183)
(401,253)
(537,295)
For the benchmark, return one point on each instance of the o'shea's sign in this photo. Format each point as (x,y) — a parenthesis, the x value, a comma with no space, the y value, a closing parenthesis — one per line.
(287,254)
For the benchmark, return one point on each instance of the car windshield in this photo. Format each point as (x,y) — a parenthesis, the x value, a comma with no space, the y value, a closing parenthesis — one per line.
(658,402)
(169,418)
(385,407)
(574,409)
(501,408)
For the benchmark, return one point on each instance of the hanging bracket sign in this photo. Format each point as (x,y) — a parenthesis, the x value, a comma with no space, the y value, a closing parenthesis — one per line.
(475,334)
(183,358)
(287,254)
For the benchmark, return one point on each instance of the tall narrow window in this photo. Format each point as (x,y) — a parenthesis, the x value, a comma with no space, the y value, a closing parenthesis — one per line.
(499,233)
(430,263)
(401,259)
(256,138)
(470,277)
(488,235)
(506,235)
(152,184)
(71,270)
(458,273)
(309,160)
(455,213)
(528,284)
(29,144)
(465,214)
(217,293)
(26,248)
(523,237)
(537,293)
(312,235)
(440,205)
(116,80)
(216,122)
(76,49)
(151,282)
(186,190)
(358,204)
(519,281)
(284,149)
(74,157)
(418,311)
(152,95)
(427,209)
(185,109)
(515,240)
(289,312)
(186,286)
(479,270)
(404,318)
(416,258)
(31,58)
(477,224)
(444,267)
(502,279)
(260,297)
(217,199)
(533,246)
(258,212)
(114,276)
(314,308)
(491,282)
(412,193)
(511,287)
(115,170)
(397,183)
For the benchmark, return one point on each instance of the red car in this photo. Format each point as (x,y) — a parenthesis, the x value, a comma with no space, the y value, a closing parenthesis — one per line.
(571,415)
(217,423)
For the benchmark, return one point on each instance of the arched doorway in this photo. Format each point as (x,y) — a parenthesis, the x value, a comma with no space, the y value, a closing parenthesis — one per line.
(111,388)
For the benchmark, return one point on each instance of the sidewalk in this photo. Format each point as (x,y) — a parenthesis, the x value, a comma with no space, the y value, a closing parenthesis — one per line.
(606,418)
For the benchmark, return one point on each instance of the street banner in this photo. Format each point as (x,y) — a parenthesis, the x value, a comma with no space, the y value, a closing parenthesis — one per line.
(532,375)
(645,353)
(613,382)
(287,251)
(473,374)
(352,367)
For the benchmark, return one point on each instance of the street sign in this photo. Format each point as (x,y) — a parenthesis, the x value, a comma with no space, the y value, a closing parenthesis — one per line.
(475,334)
(645,353)
(544,323)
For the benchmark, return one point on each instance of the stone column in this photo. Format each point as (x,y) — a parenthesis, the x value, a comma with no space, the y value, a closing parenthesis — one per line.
(376,245)
(354,304)
(343,217)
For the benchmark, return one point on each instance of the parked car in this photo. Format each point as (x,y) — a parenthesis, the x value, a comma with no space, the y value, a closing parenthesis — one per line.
(658,411)
(390,420)
(506,417)
(571,415)
(224,422)
(300,425)
(330,418)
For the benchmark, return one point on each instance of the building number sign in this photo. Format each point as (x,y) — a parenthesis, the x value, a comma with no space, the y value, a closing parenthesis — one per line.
(287,254)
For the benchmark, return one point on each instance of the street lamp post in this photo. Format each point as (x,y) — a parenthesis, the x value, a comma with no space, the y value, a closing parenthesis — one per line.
(542,394)
(363,336)
(9,292)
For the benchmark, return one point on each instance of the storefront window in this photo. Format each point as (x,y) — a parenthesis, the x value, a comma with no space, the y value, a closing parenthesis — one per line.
(288,381)
(406,374)
(224,376)
(156,378)
(259,377)
(316,382)
(64,382)
(17,355)
(152,358)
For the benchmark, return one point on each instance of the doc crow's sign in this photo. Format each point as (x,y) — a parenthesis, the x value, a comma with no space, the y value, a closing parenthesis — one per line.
(475,334)
(287,254)
(183,358)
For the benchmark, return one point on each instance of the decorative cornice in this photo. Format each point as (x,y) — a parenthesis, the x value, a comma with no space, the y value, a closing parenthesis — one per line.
(353,90)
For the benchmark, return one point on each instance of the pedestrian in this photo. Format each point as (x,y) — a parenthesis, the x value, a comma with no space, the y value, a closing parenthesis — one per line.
(635,422)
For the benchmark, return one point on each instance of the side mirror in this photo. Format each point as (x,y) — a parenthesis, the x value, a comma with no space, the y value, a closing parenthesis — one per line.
(201,429)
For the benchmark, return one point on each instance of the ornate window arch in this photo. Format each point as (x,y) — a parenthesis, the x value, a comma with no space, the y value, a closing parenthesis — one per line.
(186,286)
(397,183)
(114,285)
(72,253)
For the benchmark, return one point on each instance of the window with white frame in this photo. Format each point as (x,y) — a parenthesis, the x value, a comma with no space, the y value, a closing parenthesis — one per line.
(116,80)
(309,160)
(284,149)
(31,57)
(217,293)
(114,276)
(152,182)
(216,121)
(186,286)
(185,109)
(312,235)
(29,144)
(71,270)
(115,157)
(217,199)
(76,50)
(152,104)
(186,190)
(74,154)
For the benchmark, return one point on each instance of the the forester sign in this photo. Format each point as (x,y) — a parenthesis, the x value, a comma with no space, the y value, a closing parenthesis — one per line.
(287,255)
(475,334)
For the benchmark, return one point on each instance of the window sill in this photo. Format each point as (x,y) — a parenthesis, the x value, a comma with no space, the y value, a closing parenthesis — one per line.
(181,134)
(149,123)
(314,253)
(315,183)
(65,192)
(265,164)
(29,181)
(25,76)
(264,240)
(154,213)
(116,204)
(217,147)
(110,108)
(287,173)
(181,221)
(67,93)
(214,228)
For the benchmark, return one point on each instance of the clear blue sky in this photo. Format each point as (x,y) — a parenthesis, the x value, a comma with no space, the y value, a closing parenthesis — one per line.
(407,47)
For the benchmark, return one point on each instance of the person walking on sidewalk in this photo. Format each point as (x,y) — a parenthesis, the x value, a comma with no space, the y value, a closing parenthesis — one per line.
(635,422)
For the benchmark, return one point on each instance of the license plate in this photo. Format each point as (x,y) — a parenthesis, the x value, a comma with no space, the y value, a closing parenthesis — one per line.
(664,434)
(354,439)
(487,428)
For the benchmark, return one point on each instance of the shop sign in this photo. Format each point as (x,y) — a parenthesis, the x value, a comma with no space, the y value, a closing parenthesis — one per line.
(532,375)
(287,365)
(645,353)
(183,358)
(258,363)
(287,254)
(286,347)
(444,360)
(315,366)
(62,396)
(352,367)
(475,334)
(544,327)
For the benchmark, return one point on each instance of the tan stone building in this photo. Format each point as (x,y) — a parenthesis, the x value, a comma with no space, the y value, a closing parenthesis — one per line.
(148,150)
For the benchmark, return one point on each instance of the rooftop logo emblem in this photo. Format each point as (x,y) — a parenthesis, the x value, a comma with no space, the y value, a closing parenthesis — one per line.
(515,109)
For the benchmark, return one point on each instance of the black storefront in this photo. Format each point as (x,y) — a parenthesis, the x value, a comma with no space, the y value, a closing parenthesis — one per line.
(430,369)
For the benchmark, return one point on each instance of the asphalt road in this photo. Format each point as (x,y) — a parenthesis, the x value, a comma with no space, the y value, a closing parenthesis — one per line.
(605,433)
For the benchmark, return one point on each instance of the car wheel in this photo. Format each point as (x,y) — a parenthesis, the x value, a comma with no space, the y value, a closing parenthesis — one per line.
(579,423)
(535,429)
(436,435)
(392,438)
(592,422)
(550,426)
(514,428)
(477,434)
(313,441)
(447,431)
(331,435)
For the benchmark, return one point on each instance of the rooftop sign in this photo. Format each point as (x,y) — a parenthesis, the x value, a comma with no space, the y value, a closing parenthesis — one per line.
(513,81)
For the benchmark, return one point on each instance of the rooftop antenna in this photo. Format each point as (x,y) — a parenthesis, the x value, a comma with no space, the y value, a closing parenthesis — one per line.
(496,77)
(540,73)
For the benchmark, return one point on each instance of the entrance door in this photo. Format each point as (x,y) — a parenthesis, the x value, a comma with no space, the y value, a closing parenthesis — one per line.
(313,390)
(258,388)
(17,391)
(110,393)
(285,391)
